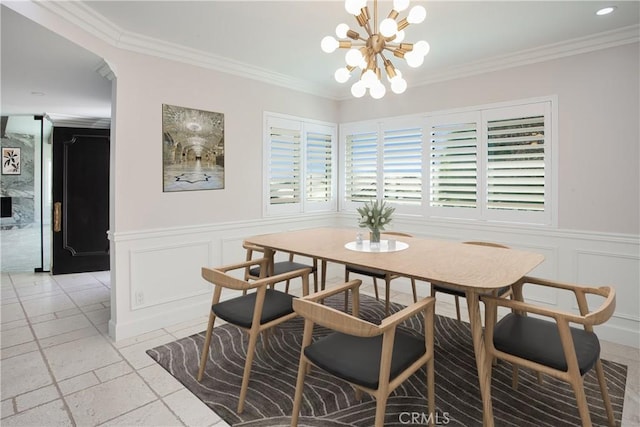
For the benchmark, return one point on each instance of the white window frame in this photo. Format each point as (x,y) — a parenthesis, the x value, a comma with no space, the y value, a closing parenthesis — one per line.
(305,127)
(481,115)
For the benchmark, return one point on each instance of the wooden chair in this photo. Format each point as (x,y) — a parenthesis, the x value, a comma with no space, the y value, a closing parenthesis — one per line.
(372,358)
(379,274)
(280,267)
(457,293)
(549,344)
(254,312)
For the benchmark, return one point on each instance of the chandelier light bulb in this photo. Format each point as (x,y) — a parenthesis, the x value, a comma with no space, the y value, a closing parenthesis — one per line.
(399,37)
(342,75)
(422,47)
(398,85)
(414,59)
(377,91)
(400,5)
(341,30)
(358,90)
(353,57)
(388,27)
(369,78)
(417,14)
(329,44)
(354,6)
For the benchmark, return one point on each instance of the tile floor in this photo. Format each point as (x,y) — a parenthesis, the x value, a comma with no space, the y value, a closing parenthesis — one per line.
(59,367)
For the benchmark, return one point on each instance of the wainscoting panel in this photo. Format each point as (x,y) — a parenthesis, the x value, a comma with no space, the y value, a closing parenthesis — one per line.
(164,274)
(157,278)
(618,270)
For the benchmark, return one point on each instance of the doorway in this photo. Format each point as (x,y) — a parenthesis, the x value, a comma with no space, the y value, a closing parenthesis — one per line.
(25,189)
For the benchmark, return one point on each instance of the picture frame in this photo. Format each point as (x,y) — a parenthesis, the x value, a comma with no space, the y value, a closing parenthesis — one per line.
(11,161)
(192,149)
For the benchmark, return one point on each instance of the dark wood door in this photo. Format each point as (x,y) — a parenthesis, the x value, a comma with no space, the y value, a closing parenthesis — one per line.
(80,200)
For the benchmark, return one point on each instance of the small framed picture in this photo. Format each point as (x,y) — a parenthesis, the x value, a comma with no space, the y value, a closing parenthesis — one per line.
(10,161)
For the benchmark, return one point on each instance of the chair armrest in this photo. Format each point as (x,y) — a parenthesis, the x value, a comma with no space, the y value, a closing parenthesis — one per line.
(244,264)
(595,317)
(407,312)
(218,276)
(334,290)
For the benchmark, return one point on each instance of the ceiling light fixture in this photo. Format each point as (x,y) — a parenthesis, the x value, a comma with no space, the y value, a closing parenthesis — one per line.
(364,53)
(605,10)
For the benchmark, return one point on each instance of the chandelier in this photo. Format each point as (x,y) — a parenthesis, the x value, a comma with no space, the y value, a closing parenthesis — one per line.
(368,54)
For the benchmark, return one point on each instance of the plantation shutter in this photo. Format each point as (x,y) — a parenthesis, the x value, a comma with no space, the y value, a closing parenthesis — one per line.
(402,166)
(284,165)
(361,159)
(319,167)
(453,162)
(516,163)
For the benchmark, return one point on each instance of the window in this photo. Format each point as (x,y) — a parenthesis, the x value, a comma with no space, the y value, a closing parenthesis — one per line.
(300,159)
(491,163)
(383,163)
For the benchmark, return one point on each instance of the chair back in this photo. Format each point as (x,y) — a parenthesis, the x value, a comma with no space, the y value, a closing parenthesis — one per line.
(333,319)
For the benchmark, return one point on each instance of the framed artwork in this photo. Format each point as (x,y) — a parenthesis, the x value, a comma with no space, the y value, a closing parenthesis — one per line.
(192,149)
(10,161)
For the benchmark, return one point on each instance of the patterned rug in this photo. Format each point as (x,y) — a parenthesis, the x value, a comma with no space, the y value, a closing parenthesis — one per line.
(329,402)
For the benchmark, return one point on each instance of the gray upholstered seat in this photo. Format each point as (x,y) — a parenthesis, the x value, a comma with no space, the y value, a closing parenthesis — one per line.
(239,311)
(539,341)
(357,359)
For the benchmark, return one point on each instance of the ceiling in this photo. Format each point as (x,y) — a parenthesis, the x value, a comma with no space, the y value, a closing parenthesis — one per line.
(279,41)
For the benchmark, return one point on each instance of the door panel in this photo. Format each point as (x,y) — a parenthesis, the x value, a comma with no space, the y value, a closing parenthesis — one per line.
(81,200)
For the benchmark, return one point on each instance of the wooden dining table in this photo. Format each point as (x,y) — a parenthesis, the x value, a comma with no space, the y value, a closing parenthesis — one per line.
(474,269)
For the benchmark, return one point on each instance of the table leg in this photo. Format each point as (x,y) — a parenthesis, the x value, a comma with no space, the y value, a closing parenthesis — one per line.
(482,361)
(323,274)
(269,254)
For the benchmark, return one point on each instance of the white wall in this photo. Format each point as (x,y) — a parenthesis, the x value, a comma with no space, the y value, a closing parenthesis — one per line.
(599,148)
(160,240)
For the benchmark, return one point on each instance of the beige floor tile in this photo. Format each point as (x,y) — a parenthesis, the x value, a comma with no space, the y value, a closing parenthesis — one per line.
(15,336)
(113,371)
(50,414)
(90,296)
(11,312)
(36,398)
(24,373)
(78,383)
(60,326)
(140,338)
(153,414)
(190,409)
(136,354)
(45,305)
(68,337)
(109,400)
(17,350)
(98,317)
(76,357)
(14,324)
(7,409)
(160,380)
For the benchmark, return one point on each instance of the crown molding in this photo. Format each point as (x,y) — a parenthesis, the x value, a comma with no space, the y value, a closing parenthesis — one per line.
(604,40)
(86,18)
(97,25)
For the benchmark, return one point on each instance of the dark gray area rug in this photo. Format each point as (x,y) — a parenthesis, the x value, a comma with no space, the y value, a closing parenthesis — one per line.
(329,402)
